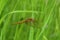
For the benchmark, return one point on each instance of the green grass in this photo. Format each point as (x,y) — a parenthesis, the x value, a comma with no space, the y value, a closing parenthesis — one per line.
(46,14)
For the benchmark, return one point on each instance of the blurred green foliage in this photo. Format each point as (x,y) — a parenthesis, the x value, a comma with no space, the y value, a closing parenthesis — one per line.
(46,14)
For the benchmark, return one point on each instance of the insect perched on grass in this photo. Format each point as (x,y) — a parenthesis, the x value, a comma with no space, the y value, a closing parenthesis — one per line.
(25,21)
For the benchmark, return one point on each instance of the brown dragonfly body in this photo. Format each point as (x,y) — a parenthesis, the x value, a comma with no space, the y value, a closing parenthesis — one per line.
(25,21)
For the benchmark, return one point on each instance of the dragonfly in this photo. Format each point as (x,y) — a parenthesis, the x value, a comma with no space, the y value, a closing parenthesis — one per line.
(29,20)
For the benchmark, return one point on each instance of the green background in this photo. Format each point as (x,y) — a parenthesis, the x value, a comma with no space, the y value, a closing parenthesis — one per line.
(46,14)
